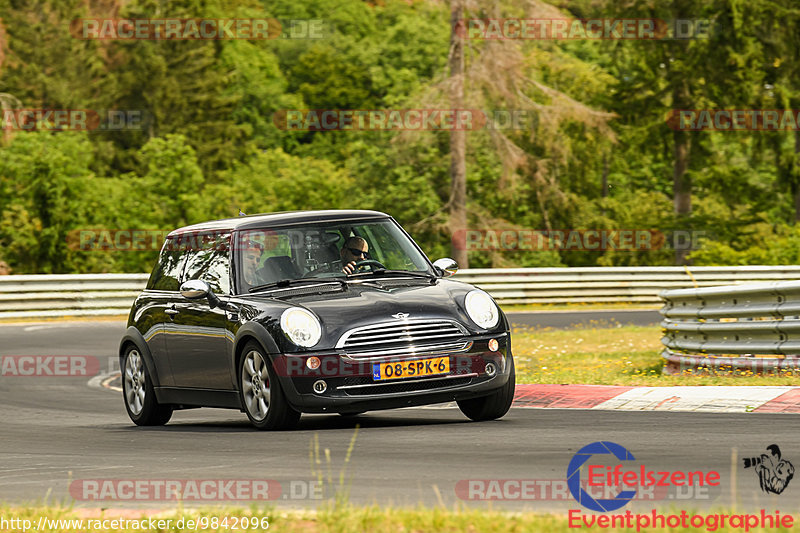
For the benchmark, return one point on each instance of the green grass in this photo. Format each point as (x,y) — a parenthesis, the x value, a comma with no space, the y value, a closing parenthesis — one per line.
(604,355)
(345,518)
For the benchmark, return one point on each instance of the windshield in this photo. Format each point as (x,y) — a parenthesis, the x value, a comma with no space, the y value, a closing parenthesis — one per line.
(324,251)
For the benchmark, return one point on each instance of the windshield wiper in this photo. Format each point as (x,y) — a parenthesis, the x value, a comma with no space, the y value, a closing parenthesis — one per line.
(280,284)
(389,272)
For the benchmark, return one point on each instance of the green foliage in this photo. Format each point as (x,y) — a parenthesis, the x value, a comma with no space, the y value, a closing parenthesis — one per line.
(273,180)
(171,180)
(209,145)
(44,180)
(781,247)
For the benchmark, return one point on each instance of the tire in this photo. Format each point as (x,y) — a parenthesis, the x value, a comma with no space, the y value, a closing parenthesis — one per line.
(493,406)
(261,394)
(138,394)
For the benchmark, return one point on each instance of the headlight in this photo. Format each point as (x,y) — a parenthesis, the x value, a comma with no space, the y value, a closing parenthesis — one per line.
(482,309)
(301,326)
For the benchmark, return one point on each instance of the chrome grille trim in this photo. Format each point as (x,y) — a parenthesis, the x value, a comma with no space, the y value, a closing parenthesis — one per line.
(411,351)
(405,331)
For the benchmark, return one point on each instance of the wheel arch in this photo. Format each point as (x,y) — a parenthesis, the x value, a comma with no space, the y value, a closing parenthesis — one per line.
(256,331)
(133,337)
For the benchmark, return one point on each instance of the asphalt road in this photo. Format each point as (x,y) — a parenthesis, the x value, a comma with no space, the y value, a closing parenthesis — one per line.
(60,433)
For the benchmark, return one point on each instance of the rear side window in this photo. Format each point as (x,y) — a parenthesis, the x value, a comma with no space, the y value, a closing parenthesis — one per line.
(210,262)
(167,273)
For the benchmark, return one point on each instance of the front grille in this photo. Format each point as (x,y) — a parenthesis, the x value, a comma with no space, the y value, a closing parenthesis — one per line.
(412,332)
(408,386)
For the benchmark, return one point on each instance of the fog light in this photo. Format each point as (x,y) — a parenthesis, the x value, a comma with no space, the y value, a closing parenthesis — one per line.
(493,345)
(312,363)
(491,369)
(320,386)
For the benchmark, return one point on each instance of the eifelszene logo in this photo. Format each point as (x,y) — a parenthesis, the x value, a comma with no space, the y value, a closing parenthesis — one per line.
(625,481)
(774,473)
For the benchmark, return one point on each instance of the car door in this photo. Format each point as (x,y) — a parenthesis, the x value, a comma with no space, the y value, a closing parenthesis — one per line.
(199,340)
(155,304)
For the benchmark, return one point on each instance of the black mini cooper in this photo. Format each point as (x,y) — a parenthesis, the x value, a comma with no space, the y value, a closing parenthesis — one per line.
(316,312)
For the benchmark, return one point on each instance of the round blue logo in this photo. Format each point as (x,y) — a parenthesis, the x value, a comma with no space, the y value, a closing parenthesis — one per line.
(574,476)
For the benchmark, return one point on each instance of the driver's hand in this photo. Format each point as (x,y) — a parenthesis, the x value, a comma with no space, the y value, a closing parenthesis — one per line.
(349,268)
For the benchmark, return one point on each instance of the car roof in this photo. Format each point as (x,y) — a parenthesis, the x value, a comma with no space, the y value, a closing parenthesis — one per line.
(282,218)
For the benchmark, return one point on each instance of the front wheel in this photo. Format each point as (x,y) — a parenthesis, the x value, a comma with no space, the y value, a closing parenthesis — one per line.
(261,394)
(137,390)
(493,406)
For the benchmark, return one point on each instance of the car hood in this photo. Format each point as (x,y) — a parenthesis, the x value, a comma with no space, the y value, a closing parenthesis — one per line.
(372,302)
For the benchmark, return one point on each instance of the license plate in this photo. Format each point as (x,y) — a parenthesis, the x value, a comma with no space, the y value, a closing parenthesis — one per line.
(410,369)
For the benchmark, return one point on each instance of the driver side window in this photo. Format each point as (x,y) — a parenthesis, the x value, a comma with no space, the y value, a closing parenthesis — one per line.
(211,264)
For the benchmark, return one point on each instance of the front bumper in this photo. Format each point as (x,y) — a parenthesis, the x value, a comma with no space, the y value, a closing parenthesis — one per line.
(350,387)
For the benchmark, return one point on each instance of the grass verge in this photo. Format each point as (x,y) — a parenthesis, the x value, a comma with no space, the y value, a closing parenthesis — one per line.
(625,355)
(332,519)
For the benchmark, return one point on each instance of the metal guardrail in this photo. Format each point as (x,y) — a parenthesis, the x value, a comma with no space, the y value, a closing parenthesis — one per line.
(41,296)
(112,294)
(610,284)
(754,327)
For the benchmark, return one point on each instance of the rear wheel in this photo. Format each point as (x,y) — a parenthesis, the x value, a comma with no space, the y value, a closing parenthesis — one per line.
(493,406)
(261,393)
(137,390)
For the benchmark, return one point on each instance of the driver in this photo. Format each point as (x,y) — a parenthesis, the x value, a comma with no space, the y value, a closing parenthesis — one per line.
(354,249)
(251,256)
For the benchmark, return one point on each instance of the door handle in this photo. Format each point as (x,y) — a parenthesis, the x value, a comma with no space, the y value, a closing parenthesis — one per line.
(172,311)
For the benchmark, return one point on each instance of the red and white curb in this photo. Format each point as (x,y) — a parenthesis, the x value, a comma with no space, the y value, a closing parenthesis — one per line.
(710,399)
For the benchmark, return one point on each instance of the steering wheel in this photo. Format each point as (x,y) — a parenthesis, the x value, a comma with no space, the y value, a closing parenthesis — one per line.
(371,263)
(332,267)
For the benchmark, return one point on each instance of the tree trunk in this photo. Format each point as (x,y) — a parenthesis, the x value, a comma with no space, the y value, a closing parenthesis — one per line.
(458,139)
(604,188)
(681,183)
(681,186)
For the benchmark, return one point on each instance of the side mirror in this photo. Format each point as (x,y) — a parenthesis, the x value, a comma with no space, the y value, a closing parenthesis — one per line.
(194,289)
(447,266)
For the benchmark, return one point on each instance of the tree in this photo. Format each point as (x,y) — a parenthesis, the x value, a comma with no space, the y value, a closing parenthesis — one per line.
(777,35)
(497,73)
(273,180)
(44,182)
(658,76)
